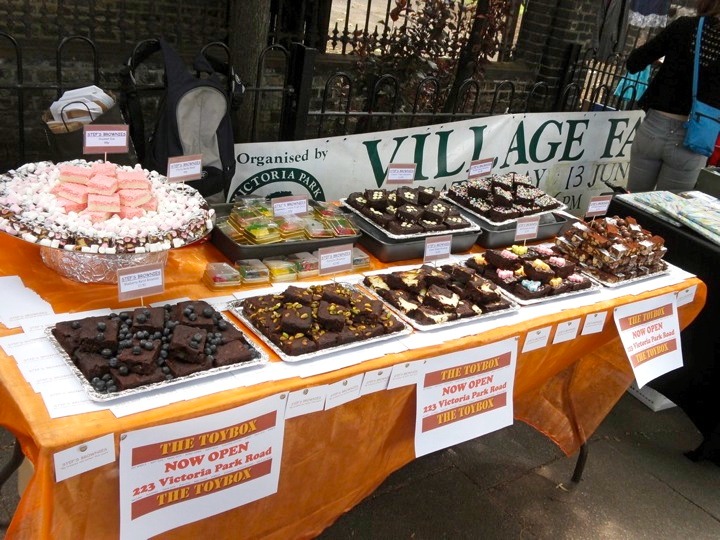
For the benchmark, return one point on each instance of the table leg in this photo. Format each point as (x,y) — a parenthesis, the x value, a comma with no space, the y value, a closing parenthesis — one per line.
(15,461)
(580,463)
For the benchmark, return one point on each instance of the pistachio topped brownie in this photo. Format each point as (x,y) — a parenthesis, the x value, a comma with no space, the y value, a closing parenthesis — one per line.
(305,320)
(408,210)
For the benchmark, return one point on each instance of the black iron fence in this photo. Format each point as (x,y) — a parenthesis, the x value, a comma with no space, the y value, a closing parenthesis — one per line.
(294,96)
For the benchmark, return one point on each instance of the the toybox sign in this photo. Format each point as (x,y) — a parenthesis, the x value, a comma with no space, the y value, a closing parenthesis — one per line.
(569,155)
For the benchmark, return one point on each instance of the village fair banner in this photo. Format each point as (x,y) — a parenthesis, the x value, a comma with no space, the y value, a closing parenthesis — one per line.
(568,155)
(178,473)
(464,395)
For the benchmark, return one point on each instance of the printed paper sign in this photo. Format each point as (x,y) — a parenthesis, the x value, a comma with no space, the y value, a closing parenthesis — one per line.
(598,206)
(566,331)
(178,473)
(536,339)
(184,168)
(405,374)
(375,381)
(686,296)
(287,206)
(527,228)
(343,391)
(480,167)
(401,174)
(105,138)
(139,281)
(465,394)
(437,247)
(335,259)
(650,334)
(306,401)
(84,457)
(594,323)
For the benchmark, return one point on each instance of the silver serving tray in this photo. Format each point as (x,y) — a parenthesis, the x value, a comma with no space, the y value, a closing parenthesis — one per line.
(237,310)
(513,308)
(594,287)
(261,359)
(473,228)
(588,271)
(444,197)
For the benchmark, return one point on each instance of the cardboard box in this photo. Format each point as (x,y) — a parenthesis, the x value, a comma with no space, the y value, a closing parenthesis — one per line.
(652,398)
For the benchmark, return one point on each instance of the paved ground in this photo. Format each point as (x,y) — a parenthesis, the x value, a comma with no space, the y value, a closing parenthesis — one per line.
(515,484)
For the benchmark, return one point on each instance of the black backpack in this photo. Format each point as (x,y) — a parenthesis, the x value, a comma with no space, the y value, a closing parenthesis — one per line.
(194,115)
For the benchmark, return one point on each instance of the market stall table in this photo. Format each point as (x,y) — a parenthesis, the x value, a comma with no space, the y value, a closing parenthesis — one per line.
(694,387)
(331,459)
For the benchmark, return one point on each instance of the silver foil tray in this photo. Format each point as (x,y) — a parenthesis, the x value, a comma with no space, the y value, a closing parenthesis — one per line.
(444,197)
(473,228)
(513,308)
(545,299)
(261,357)
(589,271)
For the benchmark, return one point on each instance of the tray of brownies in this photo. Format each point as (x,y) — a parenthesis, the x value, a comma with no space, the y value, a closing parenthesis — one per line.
(500,199)
(305,323)
(532,274)
(430,297)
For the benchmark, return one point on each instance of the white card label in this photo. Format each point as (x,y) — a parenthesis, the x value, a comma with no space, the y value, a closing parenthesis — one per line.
(139,281)
(288,206)
(527,228)
(405,374)
(105,139)
(594,323)
(480,167)
(401,173)
(686,296)
(184,168)
(335,259)
(536,339)
(566,331)
(84,457)
(306,401)
(343,391)
(375,381)
(598,206)
(437,247)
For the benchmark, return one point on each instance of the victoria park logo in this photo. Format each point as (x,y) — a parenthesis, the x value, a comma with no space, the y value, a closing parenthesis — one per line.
(282,174)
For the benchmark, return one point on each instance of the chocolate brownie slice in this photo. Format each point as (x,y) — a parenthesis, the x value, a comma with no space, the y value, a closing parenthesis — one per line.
(187,344)
(178,368)
(146,318)
(91,364)
(296,320)
(141,357)
(331,316)
(233,352)
(404,227)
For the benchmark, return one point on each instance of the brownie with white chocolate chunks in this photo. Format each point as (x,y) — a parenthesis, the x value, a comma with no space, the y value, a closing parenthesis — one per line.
(337,315)
(408,210)
(613,249)
(147,345)
(433,296)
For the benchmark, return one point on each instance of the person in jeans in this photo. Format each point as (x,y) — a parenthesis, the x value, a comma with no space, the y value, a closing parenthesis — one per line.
(658,158)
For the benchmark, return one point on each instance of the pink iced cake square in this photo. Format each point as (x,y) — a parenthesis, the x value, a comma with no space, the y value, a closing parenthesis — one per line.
(133,179)
(73,173)
(151,205)
(103,203)
(129,212)
(96,217)
(104,185)
(70,206)
(77,193)
(105,168)
(134,197)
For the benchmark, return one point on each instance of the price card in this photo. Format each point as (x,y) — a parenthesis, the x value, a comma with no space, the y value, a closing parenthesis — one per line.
(480,167)
(139,281)
(537,339)
(650,333)
(308,400)
(375,381)
(287,206)
(437,247)
(566,331)
(343,391)
(405,374)
(105,138)
(527,228)
(686,296)
(401,174)
(84,457)
(598,206)
(335,259)
(184,168)
(594,323)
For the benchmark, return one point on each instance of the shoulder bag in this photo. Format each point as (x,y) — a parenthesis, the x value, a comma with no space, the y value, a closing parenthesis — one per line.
(703,124)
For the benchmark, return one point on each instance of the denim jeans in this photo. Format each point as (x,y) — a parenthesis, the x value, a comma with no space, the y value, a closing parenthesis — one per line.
(658,158)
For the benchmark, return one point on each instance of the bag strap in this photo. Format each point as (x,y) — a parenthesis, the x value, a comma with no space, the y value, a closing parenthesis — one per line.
(698,40)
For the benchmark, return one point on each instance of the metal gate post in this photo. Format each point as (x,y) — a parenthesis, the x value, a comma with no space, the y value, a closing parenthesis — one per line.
(296,104)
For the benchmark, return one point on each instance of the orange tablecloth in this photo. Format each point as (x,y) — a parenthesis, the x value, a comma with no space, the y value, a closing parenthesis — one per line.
(331,459)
